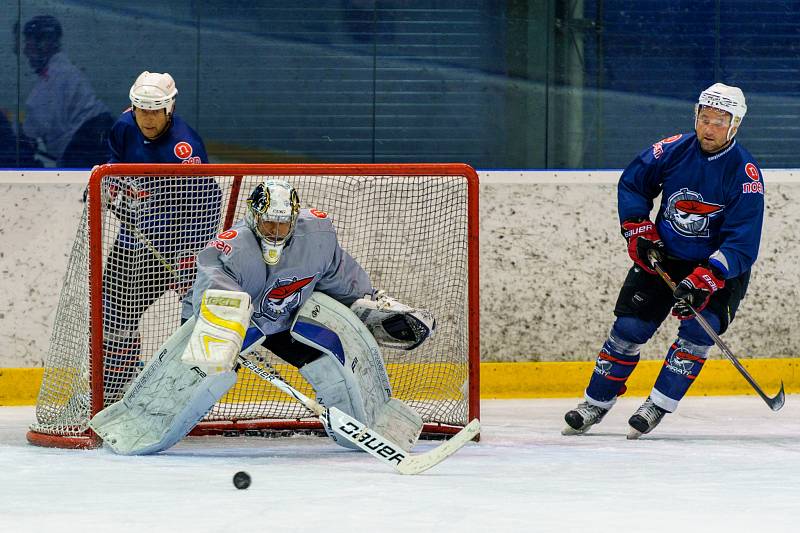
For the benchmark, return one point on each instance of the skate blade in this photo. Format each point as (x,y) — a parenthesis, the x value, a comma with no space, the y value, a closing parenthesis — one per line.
(569,430)
(634,434)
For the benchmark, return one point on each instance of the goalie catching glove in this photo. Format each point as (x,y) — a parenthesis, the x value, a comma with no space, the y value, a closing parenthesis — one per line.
(219,332)
(393,324)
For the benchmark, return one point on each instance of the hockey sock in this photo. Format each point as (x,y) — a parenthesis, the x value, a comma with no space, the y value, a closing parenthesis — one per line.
(614,364)
(682,365)
(122,362)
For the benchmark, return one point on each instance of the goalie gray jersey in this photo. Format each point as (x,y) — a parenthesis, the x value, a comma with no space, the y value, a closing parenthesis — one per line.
(312,260)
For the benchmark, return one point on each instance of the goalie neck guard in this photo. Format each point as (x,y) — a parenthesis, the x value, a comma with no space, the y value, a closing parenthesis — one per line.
(272,206)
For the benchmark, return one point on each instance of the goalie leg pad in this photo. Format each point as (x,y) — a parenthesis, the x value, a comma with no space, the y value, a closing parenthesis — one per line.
(394,419)
(351,375)
(332,390)
(399,423)
(164,403)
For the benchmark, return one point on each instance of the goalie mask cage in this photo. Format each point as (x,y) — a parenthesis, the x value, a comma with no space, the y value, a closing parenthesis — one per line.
(413,227)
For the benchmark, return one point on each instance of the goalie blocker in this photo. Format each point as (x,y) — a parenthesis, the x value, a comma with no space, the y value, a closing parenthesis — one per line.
(155,414)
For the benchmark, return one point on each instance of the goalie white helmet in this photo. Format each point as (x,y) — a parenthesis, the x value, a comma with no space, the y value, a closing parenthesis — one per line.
(272,211)
(725,98)
(153,90)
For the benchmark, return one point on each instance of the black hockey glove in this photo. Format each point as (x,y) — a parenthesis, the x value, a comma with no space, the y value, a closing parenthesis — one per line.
(642,237)
(696,290)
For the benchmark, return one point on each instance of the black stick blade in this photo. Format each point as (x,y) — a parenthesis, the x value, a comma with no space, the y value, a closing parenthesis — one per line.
(778,401)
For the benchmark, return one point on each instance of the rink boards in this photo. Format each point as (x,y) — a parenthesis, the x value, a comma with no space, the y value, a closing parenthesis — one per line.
(19,386)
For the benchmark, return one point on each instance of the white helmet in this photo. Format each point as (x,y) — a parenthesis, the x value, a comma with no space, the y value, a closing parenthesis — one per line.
(153,90)
(272,201)
(725,98)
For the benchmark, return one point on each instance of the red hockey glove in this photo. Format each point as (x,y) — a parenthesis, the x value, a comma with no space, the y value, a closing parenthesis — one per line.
(696,289)
(642,237)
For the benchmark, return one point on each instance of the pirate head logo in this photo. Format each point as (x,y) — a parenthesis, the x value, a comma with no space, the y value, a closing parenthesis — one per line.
(282,298)
(678,364)
(689,215)
(603,367)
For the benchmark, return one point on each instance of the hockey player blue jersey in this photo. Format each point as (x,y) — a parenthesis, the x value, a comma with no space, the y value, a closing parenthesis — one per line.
(179,144)
(176,215)
(712,205)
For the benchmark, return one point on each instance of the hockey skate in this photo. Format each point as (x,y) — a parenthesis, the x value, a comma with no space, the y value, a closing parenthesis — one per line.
(645,419)
(580,419)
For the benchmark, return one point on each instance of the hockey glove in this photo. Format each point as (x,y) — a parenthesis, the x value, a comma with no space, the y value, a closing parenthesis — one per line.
(642,237)
(696,290)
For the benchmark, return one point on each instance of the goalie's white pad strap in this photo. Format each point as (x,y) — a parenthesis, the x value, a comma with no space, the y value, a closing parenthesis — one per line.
(164,403)
(352,377)
(219,332)
(393,324)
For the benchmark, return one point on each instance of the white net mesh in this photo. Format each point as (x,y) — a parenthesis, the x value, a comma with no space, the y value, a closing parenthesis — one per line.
(409,232)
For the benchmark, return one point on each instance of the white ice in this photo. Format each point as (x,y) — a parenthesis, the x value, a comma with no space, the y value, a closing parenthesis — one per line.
(718,464)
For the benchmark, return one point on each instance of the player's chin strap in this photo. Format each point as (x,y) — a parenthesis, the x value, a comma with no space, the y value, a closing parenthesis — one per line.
(774,403)
(393,324)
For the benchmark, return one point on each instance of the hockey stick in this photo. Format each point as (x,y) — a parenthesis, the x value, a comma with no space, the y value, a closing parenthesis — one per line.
(774,403)
(368,439)
(342,424)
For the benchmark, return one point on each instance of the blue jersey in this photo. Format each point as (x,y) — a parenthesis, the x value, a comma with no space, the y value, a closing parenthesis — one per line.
(180,143)
(712,205)
(178,216)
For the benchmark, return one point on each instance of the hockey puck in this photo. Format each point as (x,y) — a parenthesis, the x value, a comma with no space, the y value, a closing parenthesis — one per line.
(241,480)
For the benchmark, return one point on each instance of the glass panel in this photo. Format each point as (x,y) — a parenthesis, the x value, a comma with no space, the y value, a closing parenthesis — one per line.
(514,84)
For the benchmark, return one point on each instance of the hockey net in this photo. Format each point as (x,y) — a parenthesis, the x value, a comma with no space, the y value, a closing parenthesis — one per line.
(413,228)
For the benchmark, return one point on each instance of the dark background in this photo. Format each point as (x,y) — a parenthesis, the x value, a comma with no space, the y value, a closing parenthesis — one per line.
(496,84)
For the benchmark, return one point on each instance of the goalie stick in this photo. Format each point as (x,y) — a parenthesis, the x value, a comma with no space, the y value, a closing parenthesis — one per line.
(341,423)
(367,439)
(774,403)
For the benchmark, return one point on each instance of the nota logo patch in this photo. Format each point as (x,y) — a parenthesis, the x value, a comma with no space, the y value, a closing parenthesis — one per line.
(183,150)
(751,171)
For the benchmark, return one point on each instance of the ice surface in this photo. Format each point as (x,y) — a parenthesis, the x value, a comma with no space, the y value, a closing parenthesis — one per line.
(718,464)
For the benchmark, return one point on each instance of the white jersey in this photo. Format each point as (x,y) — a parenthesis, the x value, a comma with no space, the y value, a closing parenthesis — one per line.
(312,260)
(60,102)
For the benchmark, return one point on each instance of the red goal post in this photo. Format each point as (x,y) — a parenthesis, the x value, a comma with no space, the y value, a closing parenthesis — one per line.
(414,228)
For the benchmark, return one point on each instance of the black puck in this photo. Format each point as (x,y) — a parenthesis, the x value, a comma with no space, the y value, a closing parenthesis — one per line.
(241,480)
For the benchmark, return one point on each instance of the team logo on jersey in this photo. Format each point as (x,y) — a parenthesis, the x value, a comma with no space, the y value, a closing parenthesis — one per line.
(230,234)
(317,213)
(689,215)
(182,150)
(282,298)
(658,148)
